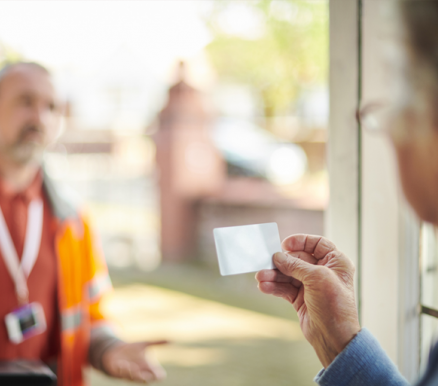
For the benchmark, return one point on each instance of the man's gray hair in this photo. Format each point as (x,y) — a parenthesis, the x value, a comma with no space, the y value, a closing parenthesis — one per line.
(6,69)
(420,21)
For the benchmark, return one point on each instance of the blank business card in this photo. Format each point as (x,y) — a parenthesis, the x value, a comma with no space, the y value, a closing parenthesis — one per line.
(247,248)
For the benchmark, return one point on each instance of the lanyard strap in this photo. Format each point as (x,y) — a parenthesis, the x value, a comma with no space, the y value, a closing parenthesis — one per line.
(20,271)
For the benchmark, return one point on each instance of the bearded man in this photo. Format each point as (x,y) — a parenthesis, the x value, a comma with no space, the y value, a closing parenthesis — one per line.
(52,272)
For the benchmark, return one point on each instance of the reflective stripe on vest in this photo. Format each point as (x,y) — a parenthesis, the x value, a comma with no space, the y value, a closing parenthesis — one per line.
(98,285)
(71,318)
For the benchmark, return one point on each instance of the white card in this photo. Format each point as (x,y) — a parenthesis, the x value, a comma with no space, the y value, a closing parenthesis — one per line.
(247,248)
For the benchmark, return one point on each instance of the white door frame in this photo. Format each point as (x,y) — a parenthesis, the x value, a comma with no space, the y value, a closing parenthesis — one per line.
(366,217)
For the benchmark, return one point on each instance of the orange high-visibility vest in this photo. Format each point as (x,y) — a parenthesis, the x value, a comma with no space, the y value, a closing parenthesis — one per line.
(82,281)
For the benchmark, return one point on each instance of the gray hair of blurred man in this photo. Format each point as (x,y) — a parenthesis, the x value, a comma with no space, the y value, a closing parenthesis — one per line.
(419,19)
(6,69)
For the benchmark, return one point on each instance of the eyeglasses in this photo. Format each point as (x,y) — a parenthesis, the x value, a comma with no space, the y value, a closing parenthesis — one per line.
(375,117)
(385,118)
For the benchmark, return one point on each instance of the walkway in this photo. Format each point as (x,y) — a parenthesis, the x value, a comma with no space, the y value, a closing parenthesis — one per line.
(213,344)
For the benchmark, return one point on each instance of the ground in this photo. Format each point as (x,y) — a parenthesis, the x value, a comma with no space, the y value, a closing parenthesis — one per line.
(222,330)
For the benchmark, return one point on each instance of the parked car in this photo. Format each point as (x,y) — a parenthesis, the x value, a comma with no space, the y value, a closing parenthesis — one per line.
(252,151)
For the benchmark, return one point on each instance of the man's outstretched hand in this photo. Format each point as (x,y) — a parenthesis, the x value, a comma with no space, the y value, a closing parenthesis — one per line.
(129,361)
(318,280)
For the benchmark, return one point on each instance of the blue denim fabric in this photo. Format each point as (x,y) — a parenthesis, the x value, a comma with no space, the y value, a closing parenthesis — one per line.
(362,363)
(430,376)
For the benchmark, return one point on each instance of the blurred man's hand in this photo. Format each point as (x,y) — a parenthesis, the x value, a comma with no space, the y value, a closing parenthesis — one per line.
(318,280)
(129,361)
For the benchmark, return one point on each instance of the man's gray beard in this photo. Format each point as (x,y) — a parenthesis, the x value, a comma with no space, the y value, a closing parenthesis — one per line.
(27,153)
(24,152)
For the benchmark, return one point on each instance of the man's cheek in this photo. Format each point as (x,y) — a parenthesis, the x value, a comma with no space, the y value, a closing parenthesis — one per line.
(52,134)
(6,136)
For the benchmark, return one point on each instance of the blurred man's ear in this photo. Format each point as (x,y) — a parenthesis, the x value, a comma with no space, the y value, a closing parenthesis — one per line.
(65,109)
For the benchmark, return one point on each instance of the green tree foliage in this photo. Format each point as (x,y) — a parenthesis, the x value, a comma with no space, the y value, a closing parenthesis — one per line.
(8,55)
(289,52)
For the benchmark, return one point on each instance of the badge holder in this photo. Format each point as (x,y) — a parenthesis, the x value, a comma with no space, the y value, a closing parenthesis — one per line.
(25,322)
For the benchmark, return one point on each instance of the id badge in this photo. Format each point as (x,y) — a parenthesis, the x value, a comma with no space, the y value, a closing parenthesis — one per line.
(25,322)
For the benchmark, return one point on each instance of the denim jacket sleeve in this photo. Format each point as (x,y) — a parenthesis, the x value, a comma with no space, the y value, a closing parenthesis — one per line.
(362,363)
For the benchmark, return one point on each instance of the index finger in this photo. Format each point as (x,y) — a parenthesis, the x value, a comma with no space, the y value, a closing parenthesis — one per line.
(318,246)
(155,342)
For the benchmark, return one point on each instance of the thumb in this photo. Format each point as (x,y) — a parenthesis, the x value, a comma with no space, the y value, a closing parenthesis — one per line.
(293,266)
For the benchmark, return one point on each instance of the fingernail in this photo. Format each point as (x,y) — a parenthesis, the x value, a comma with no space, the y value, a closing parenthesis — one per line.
(280,257)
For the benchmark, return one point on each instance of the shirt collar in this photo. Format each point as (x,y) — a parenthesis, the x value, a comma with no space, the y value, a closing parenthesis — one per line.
(30,193)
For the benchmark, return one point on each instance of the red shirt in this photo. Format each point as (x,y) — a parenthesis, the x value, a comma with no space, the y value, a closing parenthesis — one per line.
(42,281)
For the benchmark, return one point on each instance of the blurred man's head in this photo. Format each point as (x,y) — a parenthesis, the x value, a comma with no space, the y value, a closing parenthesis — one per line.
(29,112)
(415,128)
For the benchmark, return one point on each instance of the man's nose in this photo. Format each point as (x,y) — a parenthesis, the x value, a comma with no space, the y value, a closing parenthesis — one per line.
(40,115)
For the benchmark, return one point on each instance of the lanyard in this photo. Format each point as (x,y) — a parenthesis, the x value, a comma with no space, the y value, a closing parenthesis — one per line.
(20,271)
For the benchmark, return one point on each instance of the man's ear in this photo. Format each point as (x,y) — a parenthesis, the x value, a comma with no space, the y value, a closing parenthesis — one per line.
(430,160)
(65,108)
(433,148)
